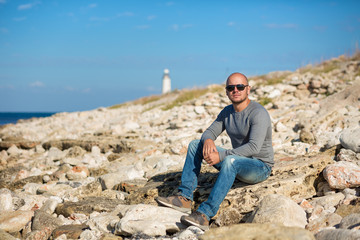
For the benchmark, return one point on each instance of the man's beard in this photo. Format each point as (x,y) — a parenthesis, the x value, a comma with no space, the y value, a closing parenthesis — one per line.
(238,101)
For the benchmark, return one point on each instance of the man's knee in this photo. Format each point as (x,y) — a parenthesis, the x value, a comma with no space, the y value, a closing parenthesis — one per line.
(194,144)
(228,161)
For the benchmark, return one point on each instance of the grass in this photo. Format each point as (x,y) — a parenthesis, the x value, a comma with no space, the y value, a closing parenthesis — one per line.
(265,100)
(140,101)
(187,95)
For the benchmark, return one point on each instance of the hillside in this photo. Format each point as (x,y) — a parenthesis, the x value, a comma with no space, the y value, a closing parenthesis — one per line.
(98,171)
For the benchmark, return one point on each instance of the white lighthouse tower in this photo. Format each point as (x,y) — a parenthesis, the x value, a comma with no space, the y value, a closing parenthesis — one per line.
(166,84)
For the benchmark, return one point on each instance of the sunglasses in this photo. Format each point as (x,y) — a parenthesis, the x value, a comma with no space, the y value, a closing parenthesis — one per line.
(239,87)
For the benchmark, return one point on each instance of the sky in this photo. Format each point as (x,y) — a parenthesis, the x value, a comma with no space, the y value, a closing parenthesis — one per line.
(67,55)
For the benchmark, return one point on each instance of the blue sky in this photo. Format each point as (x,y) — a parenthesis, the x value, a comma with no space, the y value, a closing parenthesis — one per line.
(66,55)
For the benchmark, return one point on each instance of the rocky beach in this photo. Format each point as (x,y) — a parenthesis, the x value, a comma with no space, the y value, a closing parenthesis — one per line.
(95,174)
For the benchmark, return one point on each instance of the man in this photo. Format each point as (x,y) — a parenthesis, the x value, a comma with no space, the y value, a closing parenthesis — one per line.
(249,127)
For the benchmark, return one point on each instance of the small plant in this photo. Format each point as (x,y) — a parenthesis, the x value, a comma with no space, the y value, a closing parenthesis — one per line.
(265,100)
(187,95)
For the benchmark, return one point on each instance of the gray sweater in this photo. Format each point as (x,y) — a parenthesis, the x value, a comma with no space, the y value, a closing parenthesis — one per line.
(249,130)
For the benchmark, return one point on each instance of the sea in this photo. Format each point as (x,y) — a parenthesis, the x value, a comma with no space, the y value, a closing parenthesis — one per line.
(13,117)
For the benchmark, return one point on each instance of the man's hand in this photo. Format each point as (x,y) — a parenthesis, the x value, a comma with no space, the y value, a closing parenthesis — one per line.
(210,153)
(212,158)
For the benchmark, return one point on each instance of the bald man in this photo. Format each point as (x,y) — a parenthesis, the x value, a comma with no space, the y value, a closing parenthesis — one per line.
(250,160)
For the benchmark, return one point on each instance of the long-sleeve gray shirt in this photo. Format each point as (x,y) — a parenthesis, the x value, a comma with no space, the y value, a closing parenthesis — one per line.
(249,130)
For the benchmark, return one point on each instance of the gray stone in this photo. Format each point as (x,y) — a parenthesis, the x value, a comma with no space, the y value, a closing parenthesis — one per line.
(150,220)
(15,221)
(287,212)
(351,221)
(336,234)
(6,200)
(350,139)
(6,236)
(256,231)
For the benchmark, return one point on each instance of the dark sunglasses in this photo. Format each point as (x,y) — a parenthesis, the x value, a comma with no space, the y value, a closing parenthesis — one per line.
(239,87)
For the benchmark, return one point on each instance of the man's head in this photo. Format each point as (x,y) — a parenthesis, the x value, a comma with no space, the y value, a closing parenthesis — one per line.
(237,88)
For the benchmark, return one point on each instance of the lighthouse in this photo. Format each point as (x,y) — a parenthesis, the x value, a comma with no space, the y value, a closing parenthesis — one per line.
(166,82)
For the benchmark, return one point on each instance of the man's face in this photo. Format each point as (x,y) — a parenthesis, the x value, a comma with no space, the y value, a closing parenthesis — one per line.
(237,96)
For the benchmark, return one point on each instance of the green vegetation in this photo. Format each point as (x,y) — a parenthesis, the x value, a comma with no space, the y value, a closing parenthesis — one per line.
(265,100)
(140,101)
(117,106)
(187,95)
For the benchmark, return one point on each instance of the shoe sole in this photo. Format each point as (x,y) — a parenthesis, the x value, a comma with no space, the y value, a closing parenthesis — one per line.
(166,204)
(191,223)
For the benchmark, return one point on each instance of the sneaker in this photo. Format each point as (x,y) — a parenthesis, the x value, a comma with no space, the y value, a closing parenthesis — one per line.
(196,219)
(176,202)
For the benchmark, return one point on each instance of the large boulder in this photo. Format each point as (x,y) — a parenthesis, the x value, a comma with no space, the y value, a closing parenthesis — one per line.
(287,212)
(256,231)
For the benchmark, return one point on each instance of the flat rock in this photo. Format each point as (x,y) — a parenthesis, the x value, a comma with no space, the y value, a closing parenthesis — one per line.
(254,231)
(15,221)
(336,234)
(350,139)
(71,231)
(287,212)
(149,220)
(87,206)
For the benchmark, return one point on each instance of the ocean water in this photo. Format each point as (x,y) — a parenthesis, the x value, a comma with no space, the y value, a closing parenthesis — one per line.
(13,117)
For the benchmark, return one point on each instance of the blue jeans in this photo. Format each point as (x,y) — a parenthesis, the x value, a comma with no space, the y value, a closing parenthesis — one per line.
(248,170)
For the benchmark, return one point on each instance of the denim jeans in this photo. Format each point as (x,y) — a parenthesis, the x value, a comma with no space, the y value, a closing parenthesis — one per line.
(248,170)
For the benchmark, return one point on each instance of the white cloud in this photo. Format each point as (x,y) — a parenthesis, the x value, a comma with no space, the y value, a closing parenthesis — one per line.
(230,24)
(125,14)
(86,90)
(70,89)
(99,19)
(8,86)
(93,5)
(143,27)
(4,30)
(175,27)
(37,84)
(19,19)
(278,26)
(151,17)
(169,3)
(27,6)
(2,1)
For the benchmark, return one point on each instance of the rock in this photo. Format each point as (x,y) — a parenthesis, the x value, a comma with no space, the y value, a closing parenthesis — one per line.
(13,150)
(345,210)
(87,206)
(71,231)
(264,231)
(294,178)
(287,212)
(324,221)
(351,221)
(191,232)
(43,219)
(328,201)
(50,205)
(104,222)
(342,175)
(15,221)
(6,200)
(348,155)
(150,220)
(108,181)
(78,172)
(350,139)
(6,236)
(336,234)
